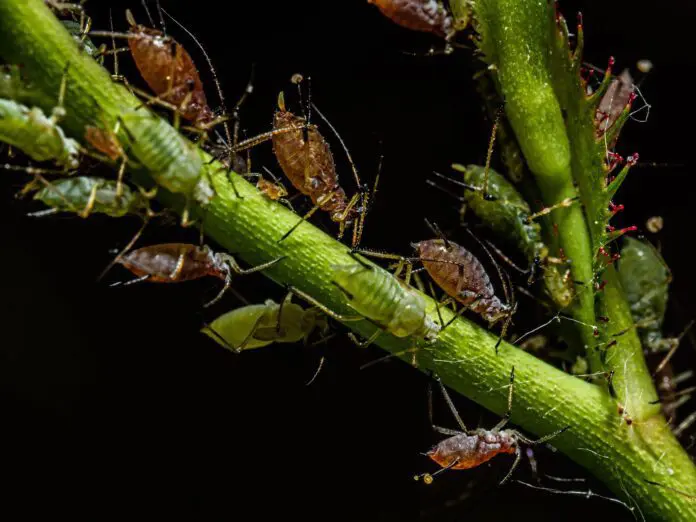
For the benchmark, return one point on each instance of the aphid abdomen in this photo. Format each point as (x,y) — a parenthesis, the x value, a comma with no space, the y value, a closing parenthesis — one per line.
(36,135)
(77,193)
(173,162)
(418,15)
(170,72)
(472,449)
(170,263)
(309,165)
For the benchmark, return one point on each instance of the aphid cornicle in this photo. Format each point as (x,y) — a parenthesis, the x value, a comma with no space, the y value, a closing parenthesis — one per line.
(468,449)
(258,325)
(428,16)
(462,276)
(177,262)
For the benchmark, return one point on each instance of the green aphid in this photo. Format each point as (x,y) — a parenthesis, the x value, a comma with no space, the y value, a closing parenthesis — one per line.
(257,325)
(36,134)
(85,195)
(645,278)
(77,32)
(505,212)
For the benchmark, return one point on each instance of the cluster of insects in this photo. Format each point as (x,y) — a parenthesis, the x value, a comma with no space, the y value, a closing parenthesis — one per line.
(384,297)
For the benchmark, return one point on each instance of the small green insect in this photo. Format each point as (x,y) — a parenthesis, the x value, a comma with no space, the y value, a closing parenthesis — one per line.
(37,135)
(84,195)
(258,325)
(645,278)
(507,214)
(403,313)
(174,162)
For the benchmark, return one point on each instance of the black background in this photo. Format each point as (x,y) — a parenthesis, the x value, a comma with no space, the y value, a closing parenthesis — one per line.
(114,404)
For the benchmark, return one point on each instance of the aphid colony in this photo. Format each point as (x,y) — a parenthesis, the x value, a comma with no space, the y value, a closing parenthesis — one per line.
(303,153)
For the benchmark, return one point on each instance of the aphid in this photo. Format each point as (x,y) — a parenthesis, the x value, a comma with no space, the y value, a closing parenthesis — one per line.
(645,279)
(428,16)
(306,159)
(505,212)
(462,276)
(468,449)
(655,224)
(168,69)
(38,136)
(383,300)
(84,195)
(619,93)
(178,262)
(107,143)
(257,325)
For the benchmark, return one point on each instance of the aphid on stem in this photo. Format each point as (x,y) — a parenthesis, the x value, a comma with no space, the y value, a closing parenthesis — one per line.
(258,325)
(307,161)
(177,262)
(468,449)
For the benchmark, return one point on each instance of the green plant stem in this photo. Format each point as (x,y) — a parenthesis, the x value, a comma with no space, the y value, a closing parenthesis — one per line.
(545,400)
(539,81)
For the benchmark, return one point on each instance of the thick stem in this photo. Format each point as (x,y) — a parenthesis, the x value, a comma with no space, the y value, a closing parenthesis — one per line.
(546,399)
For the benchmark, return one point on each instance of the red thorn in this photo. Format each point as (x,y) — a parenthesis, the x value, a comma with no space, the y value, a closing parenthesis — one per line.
(632,228)
(632,97)
(612,343)
(603,251)
(555,229)
(632,159)
(610,228)
(615,209)
(601,286)
(611,63)
(595,331)
(602,319)
(579,20)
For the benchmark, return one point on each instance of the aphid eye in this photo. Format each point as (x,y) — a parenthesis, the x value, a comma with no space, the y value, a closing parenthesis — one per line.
(190,84)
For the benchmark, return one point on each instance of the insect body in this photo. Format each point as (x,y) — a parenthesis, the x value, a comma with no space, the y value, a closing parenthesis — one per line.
(37,135)
(462,276)
(307,161)
(177,262)
(645,279)
(257,325)
(468,449)
(402,313)
(429,16)
(85,195)
(508,215)
(169,71)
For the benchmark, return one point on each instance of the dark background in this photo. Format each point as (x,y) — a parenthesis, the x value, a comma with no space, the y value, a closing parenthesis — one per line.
(115,405)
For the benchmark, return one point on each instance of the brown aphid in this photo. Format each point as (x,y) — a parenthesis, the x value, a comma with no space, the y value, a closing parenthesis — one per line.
(178,262)
(169,71)
(104,142)
(468,449)
(462,276)
(307,161)
(428,16)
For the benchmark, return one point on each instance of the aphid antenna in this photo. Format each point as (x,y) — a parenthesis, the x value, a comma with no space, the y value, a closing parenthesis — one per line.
(436,230)
(317,371)
(683,493)
(489,154)
(124,250)
(459,198)
(149,15)
(507,260)
(577,493)
(674,348)
(131,282)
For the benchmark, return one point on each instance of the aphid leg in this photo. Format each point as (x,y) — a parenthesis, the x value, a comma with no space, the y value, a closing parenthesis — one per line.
(317,371)
(518,458)
(675,344)
(132,281)
(90,202)
(489,154)
(403,263)
(508,413)
(58,112)
(334,315)
(305,217)
(565,203)
(450,403)
(444,431)
(367,342)
(506,259)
